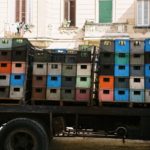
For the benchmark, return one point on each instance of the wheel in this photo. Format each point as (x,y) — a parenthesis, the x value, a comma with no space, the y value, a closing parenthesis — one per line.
(23,134)
(121,131)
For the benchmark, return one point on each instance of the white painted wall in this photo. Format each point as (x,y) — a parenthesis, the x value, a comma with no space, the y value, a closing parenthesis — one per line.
(85,10)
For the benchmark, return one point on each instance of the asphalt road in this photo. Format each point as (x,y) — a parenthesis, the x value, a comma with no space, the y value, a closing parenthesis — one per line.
(97,144)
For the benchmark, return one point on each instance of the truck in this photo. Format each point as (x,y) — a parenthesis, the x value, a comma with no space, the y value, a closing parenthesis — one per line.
(29,121)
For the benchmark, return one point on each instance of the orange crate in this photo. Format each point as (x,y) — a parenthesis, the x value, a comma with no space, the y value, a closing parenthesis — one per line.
(5,67)
(106,82)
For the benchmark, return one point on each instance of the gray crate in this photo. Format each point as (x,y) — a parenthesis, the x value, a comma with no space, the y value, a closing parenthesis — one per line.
(147,96)
(137,70)
(137,82)
(17,92)
(4,91)
(84,69)
(107,45)
(68,94)
(53,94)
(137,59)
(54,68)
(69,69)
(4,80)
(68,81)
(39,68)
(137,46)
(121,82)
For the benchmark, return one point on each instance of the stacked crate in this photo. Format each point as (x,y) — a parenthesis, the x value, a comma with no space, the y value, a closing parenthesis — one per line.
(5,67)
(137,71)
(106,71)
(39,76)
(83,78)
(54,76)
(121,71)
(147,70)
(69,71)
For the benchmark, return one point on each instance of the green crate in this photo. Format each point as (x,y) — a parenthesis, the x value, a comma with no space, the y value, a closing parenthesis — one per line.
(83,81)
(122,58)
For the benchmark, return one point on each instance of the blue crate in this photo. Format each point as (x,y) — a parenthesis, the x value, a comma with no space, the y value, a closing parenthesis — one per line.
(147,70)
(137,96)
(147,45)
(54,81)
(121,70)
(17,79)
(121,95)
(147,82)
(122,46)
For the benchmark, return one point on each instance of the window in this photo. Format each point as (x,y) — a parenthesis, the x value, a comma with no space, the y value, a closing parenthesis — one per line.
(21,11)
(105,11)
(143,11)
(69,11)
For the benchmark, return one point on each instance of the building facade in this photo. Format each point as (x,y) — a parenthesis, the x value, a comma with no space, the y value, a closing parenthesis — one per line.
(71,22)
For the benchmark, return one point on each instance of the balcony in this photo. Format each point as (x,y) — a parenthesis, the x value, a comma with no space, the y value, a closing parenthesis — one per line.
(98,31)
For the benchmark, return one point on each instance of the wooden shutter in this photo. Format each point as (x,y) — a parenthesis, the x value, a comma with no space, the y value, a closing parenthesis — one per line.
(105,11)
(72,12)
(17,10)
(66,9)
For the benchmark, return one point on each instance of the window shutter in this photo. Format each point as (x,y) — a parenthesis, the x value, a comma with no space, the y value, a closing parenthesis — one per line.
(146,10)
(105,11)
(139,13)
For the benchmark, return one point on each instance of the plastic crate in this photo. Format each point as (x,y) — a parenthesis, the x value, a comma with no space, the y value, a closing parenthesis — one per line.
(82,94)
(107,46)
(121,82)
(68,81)
(84,69)
(4,79)
(68,94)
(17,80)
(137,70)
(122,58)
(5,55)
(137,46)
(5,44)
(106,82)
(121,95)
(137,82)
(137,95)
(54,68)
(122,46)
(106,95)
(83,81)
(106,58)
(4,92)
(54,81)
(39,68)
(147,45)
(69,69)
(38,93)
(18,67)
(5,67)
(122,70)
(137,59)
(106,70)
(53,94)
(17,92)
(39,80)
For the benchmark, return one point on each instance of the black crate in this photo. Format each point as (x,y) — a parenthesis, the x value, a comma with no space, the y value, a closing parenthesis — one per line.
(56,57)
(106,46)
(5,55)
(68,81)
(19,55)
(121,82)
(70,58)
(84,56)
(147,57)
(106,58)
(41,56)
(106,69)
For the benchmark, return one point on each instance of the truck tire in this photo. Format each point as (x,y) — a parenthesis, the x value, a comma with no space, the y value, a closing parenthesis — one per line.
(23,134)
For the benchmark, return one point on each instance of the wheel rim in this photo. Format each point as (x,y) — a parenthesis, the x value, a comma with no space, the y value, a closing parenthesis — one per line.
(21,140)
